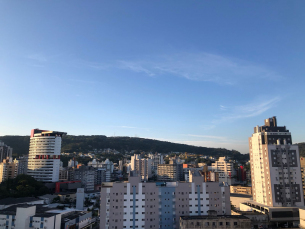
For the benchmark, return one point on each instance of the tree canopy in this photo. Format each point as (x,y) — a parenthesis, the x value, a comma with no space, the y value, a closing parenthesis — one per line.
(22,186)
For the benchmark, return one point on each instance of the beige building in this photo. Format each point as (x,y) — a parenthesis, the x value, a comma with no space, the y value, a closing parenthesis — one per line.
(302,218)
(214,222)
(142,166)
(8,169)
(136,204)
(258,220)
(225,170)
(237,199)
(170,172)
(238,189)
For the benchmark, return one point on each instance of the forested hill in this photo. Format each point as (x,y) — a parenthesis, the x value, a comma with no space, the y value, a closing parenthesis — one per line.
(71,143)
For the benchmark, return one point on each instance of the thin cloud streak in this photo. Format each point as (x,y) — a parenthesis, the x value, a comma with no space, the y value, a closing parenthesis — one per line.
(206,136)
(248,110)
(136,67)
(201,67)
(132,127)
(223,108)
(92,65)
(37,57)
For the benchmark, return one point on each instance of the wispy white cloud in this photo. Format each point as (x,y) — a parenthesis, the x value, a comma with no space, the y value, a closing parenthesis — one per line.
(129,127)
(201,67)
(223,108)
(206,136)
(37,57)
(136,67)
(207,127)
(92,64)
(248,110)
(77,81)
(132,127)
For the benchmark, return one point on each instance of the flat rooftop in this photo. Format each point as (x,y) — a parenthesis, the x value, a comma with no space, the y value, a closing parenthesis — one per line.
(40,209)
(213,217)
(74,215)
(11,200)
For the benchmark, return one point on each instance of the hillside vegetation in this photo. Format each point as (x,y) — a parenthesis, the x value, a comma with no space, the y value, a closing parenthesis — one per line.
(84,144)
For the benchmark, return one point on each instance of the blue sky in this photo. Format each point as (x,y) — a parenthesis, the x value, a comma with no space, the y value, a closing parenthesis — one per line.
(195,72)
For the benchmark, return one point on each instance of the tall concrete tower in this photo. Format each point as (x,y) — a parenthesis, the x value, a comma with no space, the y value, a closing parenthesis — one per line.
(44,155)
(275,166)
(80,197)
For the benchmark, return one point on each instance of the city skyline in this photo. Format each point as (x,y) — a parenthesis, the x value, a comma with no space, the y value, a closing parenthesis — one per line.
(198,73)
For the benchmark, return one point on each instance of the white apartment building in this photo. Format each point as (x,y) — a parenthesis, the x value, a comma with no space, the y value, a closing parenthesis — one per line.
(44,155)
(38,216)
(225,170)
(72,163)
(142,166)
(275,166)
(156,159)
(106,165)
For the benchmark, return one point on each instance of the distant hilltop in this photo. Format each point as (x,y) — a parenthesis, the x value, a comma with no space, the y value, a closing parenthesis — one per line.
(82,143)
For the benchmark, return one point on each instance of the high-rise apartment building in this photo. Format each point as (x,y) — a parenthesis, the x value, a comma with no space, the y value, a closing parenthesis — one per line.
(142,166)
(170,172)
(275,166)
(5,151)
(135,204)
(85,174)
(44,155)
(107,167)
(22,164)
(156,159)
(224,168)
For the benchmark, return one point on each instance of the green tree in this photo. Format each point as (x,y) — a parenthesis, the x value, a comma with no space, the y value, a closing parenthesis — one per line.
(22,186)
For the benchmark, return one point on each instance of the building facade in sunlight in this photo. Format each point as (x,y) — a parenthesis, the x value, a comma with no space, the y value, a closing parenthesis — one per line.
(136,204)
(275,166)
(44,155)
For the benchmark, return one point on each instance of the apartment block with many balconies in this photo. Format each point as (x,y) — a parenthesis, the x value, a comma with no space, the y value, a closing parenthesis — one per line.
(136,204)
